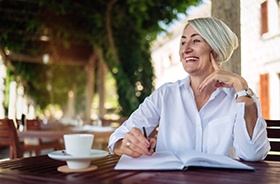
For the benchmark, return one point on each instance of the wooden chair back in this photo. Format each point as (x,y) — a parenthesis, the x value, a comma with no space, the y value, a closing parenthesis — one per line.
(43,144)
(32,124)
(273,134)
(9,137)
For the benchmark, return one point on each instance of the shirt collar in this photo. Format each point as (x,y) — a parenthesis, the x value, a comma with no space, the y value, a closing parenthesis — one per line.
(184,82)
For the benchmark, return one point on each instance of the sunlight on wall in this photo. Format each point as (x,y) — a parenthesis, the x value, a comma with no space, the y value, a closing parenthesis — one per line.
(12,100)
(21,106)
(2,87)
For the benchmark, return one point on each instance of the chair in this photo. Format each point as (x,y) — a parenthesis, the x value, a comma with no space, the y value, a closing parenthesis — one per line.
(39,144)
(9,137)
(273,134)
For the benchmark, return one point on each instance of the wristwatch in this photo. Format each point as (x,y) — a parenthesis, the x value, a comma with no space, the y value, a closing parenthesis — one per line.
(246,92)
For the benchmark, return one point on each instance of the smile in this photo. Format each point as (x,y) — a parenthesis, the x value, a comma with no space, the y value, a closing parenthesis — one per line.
(191,59)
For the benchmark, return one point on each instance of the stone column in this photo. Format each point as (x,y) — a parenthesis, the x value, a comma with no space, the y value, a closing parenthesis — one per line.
(229,12)
(90,70)
(102,70)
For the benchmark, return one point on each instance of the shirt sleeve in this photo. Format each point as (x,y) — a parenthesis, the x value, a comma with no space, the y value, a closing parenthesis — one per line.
(254,149)
(147,114)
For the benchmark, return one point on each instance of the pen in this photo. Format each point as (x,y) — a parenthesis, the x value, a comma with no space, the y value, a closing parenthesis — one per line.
(145,134)
(144,131)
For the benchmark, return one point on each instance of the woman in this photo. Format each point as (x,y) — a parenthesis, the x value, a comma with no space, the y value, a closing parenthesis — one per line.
(211,110)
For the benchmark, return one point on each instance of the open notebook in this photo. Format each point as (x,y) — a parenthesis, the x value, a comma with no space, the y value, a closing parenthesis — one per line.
(165,160)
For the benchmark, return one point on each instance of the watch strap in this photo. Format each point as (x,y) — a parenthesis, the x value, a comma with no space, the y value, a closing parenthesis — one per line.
(242,93)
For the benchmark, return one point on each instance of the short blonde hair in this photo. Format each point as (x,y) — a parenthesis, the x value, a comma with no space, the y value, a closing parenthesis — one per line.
(217,34)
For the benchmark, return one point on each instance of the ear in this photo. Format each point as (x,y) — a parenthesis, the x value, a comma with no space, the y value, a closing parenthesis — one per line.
(215,55)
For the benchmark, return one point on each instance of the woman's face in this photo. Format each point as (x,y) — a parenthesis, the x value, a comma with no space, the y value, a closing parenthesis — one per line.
(195,53)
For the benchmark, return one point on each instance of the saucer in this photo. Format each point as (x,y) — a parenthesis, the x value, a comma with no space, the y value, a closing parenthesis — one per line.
(94,154)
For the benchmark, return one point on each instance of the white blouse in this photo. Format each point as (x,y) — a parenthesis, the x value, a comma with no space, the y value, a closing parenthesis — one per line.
(219,127)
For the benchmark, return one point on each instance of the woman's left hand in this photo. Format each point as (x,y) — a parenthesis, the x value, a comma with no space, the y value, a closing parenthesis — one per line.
(221,78)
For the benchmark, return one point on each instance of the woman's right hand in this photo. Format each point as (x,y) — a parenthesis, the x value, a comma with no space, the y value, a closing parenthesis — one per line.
(135,144)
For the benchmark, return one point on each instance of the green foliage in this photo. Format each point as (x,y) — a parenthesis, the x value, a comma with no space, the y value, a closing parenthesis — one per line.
(134,25)
(57,77)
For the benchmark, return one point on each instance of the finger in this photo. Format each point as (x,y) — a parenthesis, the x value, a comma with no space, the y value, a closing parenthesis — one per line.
(152,145)
(212,78)
(138,143)
(127,148)
(206,82)
(215,64)
(141,139)
(131,153)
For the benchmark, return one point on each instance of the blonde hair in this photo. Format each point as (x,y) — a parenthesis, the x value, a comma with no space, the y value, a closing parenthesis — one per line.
(217,34)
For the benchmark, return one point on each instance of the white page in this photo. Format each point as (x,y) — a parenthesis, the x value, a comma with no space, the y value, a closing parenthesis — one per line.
(194,158)
(164,160)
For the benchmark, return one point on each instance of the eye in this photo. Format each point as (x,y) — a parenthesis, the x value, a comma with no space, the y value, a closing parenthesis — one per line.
(196,40)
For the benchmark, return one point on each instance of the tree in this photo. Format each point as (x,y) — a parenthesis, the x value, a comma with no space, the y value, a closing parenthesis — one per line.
(119,31)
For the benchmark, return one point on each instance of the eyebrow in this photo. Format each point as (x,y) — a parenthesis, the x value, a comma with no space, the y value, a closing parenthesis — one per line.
(195,34)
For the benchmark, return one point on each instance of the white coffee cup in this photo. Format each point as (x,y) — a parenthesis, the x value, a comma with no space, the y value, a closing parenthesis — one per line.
(78,145)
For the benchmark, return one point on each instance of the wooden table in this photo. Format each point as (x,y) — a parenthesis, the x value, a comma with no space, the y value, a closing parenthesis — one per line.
(42,169)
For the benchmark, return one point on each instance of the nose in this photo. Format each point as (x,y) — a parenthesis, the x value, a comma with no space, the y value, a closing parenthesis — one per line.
(186,48)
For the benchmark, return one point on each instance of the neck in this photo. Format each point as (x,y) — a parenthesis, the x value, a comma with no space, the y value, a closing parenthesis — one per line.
(200,97)
(195,82)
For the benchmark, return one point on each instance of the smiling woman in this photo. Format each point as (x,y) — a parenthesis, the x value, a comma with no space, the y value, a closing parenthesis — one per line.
(200,112)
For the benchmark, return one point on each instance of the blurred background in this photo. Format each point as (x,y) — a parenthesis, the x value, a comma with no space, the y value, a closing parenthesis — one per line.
(78,62)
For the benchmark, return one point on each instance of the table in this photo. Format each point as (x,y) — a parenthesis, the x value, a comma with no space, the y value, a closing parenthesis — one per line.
(42,169)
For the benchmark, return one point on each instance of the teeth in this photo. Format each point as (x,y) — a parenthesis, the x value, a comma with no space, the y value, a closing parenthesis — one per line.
(188,59)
